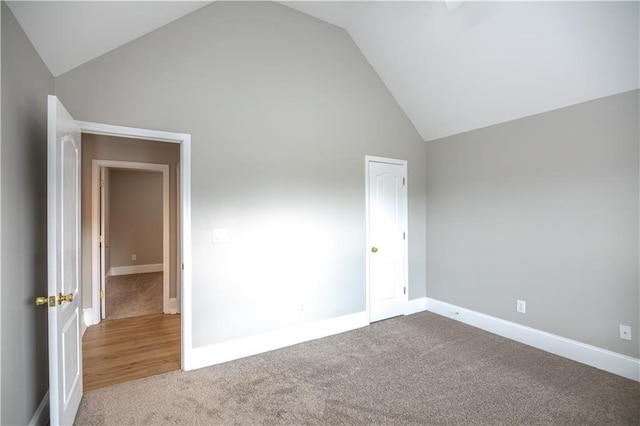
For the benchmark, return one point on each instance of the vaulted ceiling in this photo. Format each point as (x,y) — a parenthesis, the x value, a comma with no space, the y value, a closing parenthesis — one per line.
(452,66)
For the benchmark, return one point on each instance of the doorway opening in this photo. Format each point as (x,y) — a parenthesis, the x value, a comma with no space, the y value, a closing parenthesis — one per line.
(131,344)
(135,254)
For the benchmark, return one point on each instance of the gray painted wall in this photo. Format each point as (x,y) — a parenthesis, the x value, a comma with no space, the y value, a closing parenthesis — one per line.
(135,217)
(282,109)
(26,82)
(100,147)
(543,209)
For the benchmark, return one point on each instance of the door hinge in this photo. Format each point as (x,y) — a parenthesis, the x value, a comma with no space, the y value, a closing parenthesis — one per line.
(404,182)
(101,239)
(101,294)
(183,266)
(101,183)
(404,235)
(405,290)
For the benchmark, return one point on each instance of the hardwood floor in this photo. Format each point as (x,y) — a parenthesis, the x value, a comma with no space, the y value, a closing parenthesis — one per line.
(121,350)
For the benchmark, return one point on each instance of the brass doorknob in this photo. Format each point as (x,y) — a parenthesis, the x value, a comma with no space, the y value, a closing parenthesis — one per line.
(65,298)
(374,249)
(41,301)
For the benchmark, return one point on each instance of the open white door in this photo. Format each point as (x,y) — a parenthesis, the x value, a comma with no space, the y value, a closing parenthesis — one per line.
(386,237)
(63,251)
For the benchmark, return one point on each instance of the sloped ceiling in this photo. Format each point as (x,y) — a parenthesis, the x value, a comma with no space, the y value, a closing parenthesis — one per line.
(452,67)
(67,34)
(483,63)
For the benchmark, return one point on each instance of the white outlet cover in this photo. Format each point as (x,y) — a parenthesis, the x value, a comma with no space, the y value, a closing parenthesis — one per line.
(625,332)
(521,306)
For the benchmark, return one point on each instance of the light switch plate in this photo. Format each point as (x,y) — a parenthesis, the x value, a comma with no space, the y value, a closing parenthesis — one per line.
(220,235)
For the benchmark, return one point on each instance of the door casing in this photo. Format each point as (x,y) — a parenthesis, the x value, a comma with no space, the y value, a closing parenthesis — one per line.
(185,291)
(97,216)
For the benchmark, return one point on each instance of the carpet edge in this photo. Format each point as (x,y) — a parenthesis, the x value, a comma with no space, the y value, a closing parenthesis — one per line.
(218,353)
(603,359)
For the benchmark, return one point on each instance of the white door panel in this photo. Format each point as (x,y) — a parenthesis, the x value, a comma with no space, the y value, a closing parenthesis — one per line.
(63,233)
(386,236)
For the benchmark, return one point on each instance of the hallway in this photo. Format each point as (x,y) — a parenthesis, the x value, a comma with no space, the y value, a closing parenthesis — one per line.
(133,295)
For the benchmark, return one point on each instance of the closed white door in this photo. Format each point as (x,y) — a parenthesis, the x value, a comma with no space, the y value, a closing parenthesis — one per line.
(63,232)
(387,227)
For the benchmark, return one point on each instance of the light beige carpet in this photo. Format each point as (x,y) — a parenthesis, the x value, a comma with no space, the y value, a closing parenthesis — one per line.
(133,295)
(419,369)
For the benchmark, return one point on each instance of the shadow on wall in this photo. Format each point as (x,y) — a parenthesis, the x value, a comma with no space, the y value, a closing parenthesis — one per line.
(35,217)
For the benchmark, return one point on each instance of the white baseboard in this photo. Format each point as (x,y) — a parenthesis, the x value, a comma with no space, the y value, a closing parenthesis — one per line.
(603,359)
(87,319)
(173,306)
(135,269)
(416,305)
(240,348)
(41,416)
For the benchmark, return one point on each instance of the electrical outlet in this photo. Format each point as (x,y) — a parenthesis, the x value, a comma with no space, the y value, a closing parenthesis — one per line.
(302,310)
(625,332)
(134,257)
(521,306)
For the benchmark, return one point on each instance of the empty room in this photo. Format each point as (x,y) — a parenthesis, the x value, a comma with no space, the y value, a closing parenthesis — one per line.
(419,212)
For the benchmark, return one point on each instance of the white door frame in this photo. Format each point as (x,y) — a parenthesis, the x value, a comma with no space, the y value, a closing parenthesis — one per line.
(185,214)
(96,213)
(179,224)
(103,245)
(372,159)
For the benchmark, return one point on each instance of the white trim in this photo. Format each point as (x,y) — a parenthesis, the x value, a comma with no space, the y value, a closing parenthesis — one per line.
(185,250)
(135,269)
(1,145)
(185,210)
(179,253)
(102,225)
(41,416)
(96,166)
(132,132)
(603,359)
(416,305)
(373,159)
(240,348)
(173,306)
(87,318)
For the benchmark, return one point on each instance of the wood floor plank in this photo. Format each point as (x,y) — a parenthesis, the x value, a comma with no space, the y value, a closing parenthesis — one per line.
(121,350)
